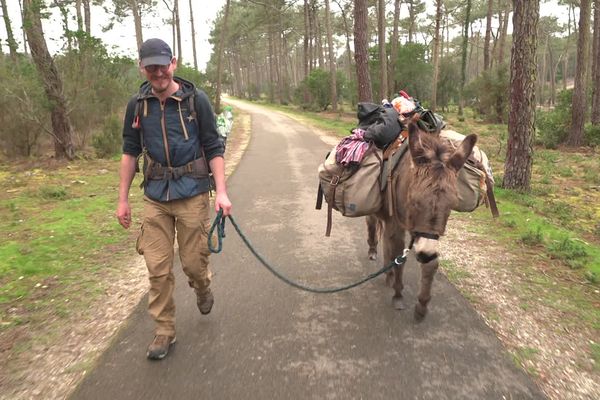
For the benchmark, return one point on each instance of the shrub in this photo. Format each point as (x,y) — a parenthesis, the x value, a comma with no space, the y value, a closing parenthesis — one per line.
(569,250)
(53,192)
(316,86)
(553,126)
(490,94)
(108,142)
(25,108)
(533,237)
(592,135)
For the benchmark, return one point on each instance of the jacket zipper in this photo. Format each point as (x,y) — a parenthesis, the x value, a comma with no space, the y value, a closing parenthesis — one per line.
(163,125)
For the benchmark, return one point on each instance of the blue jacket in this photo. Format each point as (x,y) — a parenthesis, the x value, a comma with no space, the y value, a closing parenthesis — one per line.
(171,137)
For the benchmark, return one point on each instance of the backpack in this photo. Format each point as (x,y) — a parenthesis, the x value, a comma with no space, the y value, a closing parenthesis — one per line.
(352,190)
(149,164)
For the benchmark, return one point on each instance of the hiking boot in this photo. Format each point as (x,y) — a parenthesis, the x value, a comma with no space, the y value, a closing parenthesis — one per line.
(205,301)
(159,347)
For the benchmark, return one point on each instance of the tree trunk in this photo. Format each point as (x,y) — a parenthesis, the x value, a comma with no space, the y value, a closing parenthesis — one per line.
(447,34)
(436,55)
(503,34)
(521,119)
(565,65)
(271,68)
(394,49)
(383,90)
(311,37)
(87,16)
(331,54)
(137,21)
(596,66)
(306,53)
(277,58)
(79,15)
(53,87)
(361,55)
(306,39)
(193,36)
(23,27)
(347,34)
(542,77)
(178,31)
(318,36)
(553,66)
(488,35)
(579,106)
(173,29)
(411,20)
(12,44)
(220,59)
(285,73)
(463,69)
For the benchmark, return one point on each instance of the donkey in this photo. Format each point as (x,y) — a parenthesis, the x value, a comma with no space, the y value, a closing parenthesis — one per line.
(424,193)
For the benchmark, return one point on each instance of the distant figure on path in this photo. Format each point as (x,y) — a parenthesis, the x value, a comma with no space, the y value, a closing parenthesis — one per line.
(171,126)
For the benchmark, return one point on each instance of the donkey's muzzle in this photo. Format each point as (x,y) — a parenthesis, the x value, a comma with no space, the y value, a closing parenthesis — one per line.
(426,247)
(424,258)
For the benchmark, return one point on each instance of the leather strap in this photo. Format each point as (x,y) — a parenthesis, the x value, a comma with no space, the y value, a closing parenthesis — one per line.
(319,204)
(333,185)
(491,198)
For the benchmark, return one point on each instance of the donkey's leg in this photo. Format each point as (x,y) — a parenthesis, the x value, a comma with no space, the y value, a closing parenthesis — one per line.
(427,272)
(393,246)
(373,232)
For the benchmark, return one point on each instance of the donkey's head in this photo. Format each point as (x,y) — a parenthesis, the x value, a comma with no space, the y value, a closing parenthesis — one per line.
(432,192)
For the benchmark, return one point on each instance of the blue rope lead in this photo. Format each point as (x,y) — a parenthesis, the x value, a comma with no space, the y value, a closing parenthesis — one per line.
(219,225)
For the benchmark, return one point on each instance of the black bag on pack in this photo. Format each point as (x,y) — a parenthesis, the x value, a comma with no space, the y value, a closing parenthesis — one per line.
(381,124)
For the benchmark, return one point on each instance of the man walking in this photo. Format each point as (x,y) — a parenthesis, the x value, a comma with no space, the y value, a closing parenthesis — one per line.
(171,126)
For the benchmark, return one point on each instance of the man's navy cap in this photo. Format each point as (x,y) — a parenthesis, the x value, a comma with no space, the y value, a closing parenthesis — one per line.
(155,52)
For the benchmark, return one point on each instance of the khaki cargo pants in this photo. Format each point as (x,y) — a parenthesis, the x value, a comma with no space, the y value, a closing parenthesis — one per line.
(190,219)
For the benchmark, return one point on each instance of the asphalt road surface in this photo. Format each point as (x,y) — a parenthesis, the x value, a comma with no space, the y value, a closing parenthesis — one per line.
(266,340)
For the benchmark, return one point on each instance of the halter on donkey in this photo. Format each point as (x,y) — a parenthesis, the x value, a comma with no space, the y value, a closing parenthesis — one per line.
(424,188)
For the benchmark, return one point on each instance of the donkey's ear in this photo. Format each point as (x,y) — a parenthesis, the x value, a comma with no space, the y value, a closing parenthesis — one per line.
(415,146)
(460,155)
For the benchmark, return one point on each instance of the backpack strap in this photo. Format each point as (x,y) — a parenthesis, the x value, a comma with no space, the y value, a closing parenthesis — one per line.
(194,111)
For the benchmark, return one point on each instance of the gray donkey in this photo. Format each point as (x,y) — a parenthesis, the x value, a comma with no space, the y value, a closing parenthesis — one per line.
(424,193)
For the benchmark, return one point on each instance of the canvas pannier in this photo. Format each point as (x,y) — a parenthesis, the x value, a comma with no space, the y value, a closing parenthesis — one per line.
(353,190)
(475,179)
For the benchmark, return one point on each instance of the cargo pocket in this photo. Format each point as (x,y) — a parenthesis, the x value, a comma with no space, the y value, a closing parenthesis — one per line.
(139,241)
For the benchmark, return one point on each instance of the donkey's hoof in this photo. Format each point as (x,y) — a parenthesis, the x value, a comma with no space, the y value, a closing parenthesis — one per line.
(398,303)
(372,255)
(420,312)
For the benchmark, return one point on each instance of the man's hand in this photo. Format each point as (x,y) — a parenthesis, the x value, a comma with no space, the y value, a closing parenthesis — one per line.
(126,175)
(222,201)
(124,214)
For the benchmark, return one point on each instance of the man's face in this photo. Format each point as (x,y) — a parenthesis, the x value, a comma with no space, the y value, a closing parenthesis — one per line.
(160,76)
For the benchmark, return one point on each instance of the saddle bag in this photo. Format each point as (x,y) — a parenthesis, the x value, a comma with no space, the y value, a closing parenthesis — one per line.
(352,190)
(475,184)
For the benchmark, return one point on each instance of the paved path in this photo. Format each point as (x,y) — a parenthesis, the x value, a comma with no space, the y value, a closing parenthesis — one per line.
(265,340)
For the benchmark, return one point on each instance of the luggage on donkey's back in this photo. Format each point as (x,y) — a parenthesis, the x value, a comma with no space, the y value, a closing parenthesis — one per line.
(475,182)
(352,190)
